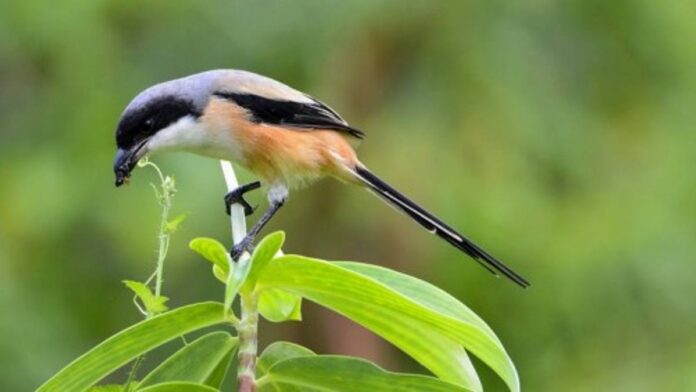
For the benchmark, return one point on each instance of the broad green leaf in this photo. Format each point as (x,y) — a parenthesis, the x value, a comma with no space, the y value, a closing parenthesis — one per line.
(406,323)
(218,376)
(432,297)
(107,388)
(277,352)
(128,344)
(420,291)
(445,357)
(215,252)
(265,251)
(153,304)
(329,373)
(277,305)
(174,223)
(196,362)
(179,387)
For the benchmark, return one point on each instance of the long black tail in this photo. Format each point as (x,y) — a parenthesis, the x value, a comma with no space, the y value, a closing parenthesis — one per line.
(435,225)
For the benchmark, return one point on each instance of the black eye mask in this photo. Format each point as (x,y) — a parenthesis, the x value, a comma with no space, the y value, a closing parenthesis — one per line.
(138,125)
(143,122)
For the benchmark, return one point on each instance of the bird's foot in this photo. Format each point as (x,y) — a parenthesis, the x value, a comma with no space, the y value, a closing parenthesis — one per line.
(237,197)
(246,245)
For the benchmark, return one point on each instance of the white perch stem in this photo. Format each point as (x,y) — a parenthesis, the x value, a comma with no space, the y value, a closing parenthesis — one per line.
(248,325)
(237,217)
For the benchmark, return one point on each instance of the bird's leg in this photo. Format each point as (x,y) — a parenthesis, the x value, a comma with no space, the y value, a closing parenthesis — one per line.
(237,197)
(247,242)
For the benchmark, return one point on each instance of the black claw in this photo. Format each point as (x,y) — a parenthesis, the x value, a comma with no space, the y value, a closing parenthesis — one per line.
(237,197)
(244,245)
(247,244)
(248,209)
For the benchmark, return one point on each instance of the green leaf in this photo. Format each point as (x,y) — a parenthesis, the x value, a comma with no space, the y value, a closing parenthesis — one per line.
(218,376)
(174,223)
(196,362)
(277,305)
(265,251)
(416,329)
(235,280)
(331,373)
(420,291)
(277,352)
(107,388)
(274,305)
(215,252)
(153,304)
(219,274)
(128,344)
(179,387)
(449,352)
(252,266)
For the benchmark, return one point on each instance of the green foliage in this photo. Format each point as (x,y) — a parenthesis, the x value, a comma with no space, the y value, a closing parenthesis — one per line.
(428,324)
(176,386)
(279,305)
(108,388)
(213,251)
(266,250)
(235,279)
(279,351)
(451,361)
(128,344)
(179,387)
(245,273)
(173,224)
(154,305)
(274,305)
(196,362)
(243,276)
(344,374)
(287,367)
(418,330)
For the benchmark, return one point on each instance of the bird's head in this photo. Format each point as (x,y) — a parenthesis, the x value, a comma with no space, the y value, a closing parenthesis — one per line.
(161,117)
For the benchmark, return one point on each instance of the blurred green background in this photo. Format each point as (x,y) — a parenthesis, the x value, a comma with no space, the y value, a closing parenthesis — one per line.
(558,134)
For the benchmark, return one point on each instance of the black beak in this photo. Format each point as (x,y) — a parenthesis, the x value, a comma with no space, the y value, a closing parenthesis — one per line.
(123,166)
(125,162)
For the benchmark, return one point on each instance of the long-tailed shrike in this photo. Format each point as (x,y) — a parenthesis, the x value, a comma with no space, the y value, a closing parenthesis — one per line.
(284,136)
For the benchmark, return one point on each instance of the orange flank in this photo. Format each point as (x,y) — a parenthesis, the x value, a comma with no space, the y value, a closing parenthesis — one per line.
(284,154)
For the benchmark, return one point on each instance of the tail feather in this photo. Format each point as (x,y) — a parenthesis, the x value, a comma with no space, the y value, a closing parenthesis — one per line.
(435,225)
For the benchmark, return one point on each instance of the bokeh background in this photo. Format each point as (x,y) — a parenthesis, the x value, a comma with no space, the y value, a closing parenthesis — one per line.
(558,134)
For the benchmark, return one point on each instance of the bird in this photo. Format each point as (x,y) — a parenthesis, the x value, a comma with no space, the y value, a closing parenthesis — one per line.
(285,137)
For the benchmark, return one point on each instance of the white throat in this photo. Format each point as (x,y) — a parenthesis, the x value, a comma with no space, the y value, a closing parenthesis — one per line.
(188,134)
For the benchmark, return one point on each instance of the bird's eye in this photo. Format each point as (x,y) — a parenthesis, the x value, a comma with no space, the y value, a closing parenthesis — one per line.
(149,123)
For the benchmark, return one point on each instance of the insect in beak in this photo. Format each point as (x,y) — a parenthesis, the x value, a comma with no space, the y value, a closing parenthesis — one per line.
(126,160)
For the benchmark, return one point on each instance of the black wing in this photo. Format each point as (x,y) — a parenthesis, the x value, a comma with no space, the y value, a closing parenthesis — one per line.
(312,115)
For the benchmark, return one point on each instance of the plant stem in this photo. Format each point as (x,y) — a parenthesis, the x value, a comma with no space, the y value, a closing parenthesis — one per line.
(248,342)
(163,244)
(248,325)
(165,199)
